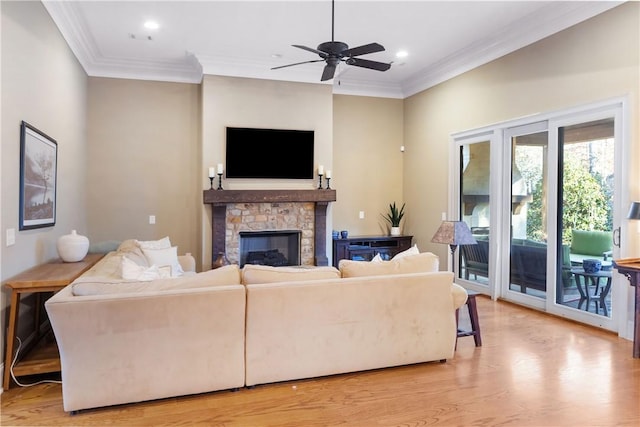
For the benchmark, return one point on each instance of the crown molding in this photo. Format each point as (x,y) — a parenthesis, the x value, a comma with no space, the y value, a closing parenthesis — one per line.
(536,26)
(546,21)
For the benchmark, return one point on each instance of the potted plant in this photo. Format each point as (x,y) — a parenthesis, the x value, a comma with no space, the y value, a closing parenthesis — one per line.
(394,216)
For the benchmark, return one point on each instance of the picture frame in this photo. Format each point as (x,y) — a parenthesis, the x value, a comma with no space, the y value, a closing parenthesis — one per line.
(38,178)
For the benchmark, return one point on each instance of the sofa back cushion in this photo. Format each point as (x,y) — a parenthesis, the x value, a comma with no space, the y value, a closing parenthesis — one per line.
(227,275)
(256,274)
(425,262)
(591,242)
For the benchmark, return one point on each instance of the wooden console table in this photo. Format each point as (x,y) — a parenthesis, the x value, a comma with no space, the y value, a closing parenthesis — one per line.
(630,267)
(43,278)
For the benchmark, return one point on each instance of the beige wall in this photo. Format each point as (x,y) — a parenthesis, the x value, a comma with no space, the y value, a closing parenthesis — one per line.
(367,163)
(44,85)
(229,101)
(592,61)
(143,160)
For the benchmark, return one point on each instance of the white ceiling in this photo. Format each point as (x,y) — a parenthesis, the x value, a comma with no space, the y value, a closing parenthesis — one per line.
(248,38)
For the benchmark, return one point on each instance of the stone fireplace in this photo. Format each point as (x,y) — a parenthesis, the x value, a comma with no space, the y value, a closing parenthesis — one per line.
(236,211)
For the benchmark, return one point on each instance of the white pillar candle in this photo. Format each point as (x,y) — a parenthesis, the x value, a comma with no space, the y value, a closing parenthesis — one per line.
(320,170)
(212,172)
(220,168)
(328,174)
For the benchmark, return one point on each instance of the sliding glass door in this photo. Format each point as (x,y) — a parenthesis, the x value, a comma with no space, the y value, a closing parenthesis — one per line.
(541,199)
(527,203)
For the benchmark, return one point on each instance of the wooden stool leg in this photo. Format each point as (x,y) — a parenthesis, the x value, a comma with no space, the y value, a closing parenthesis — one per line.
(457,329)
(475,323)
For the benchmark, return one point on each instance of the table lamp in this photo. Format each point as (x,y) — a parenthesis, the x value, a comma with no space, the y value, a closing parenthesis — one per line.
(453,233)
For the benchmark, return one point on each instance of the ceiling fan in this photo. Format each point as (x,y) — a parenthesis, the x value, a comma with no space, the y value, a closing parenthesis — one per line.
(334,52)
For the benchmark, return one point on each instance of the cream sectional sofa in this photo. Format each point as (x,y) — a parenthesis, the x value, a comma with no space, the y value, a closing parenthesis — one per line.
(126,342)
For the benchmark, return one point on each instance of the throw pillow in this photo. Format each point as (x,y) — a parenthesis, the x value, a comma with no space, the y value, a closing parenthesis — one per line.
(165,257)
(131,249)
(377,258)
(256,274)
(133,271)
(163,243)
(413,250)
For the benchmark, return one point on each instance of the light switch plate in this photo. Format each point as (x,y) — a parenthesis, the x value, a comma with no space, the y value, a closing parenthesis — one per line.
(11,236)
(152,219)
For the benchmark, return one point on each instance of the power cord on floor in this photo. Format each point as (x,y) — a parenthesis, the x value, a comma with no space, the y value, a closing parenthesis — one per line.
(15,358)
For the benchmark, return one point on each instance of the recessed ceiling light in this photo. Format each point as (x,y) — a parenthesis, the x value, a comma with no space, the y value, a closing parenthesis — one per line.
(151,25)
(402,54)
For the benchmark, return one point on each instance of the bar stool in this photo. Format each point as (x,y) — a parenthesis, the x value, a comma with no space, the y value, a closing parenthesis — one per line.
(473,317)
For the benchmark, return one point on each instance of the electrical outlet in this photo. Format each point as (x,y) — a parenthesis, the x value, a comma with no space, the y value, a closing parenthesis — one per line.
(152,219)
(11,236)
(444,216)
(361,215)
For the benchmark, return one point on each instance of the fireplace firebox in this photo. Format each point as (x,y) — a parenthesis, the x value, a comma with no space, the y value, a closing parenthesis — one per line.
(274,247)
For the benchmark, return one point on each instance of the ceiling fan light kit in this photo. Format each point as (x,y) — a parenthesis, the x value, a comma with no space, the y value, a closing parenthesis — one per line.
(334,52)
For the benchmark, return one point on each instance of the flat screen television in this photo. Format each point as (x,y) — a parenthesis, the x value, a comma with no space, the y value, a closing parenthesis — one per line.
(269,153)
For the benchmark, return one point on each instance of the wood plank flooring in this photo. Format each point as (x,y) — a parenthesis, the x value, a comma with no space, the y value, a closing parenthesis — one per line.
(532,370)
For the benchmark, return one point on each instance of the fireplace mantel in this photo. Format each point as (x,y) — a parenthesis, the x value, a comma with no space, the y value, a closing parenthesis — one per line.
(268,196)
(218,199)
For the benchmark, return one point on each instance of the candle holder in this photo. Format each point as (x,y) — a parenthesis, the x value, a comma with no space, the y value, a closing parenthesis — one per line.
(319,181)
(211,182)
(328,185)
(220,182)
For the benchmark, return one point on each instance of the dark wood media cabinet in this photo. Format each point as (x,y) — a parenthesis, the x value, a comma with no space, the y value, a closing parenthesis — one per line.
(364,248)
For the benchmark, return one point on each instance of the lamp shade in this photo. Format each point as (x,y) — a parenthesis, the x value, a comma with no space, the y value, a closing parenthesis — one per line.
(454,233)
(634,211)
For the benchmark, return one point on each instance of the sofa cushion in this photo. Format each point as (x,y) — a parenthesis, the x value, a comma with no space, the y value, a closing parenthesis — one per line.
(227,275)
(256,274)
(164,257)
(425,262)
(413,250)
(421,263)
(591,242)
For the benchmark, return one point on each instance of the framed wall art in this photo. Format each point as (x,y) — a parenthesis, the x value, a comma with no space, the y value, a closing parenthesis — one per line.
(38,166)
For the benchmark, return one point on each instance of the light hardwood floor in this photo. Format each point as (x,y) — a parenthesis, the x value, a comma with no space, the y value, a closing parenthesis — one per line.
(532,370)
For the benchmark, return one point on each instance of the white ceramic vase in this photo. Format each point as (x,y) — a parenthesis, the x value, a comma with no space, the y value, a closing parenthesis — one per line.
(73,247)
(395,231)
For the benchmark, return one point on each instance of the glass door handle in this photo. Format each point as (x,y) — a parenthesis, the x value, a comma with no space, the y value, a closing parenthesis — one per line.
(616,237)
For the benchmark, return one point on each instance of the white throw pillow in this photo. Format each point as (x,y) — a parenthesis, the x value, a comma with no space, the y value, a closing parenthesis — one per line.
(413,250)
(377,258)
(164,257)
(133,271)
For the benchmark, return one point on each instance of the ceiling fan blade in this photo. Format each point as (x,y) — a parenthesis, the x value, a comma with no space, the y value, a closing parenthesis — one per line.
(365,63)
(328,72)
(309,49)
(363,50)
(297,63)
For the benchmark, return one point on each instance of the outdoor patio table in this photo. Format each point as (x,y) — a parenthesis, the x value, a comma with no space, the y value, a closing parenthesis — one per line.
(584,279)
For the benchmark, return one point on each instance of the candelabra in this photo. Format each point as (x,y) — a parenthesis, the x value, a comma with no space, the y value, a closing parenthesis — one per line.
(319,181)
(328,185)
(219,182)
(211,182)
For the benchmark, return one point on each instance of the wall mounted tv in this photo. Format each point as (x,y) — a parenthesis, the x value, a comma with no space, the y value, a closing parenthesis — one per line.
(269,153)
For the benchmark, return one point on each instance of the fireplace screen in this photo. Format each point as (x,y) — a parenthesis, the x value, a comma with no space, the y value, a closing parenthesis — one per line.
(274,248)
